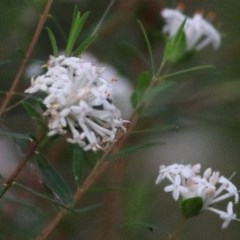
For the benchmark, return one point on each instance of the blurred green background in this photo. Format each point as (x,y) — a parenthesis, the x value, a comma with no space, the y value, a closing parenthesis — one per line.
(203,107)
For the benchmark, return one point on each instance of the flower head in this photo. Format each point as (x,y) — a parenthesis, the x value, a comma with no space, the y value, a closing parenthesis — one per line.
(199,192)
(79,100)
(199,32)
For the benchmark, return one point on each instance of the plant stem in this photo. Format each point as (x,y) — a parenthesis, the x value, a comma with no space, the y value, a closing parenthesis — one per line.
(27,57)
(178,230)
(32,149)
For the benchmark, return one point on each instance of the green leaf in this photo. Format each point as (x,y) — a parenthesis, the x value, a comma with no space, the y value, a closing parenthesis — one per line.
(158,89)
(144,81)
(76,27)
(176,47)
(188,70)
(20,136)
(32,111)
(54,181)
(85,44)
(134,99)
(78,165)
(88,208)
(148,46)
(46,197)
(128,150)
(192,206)
(53,41)
(156,129)
(142,86)
(2,190)
(76,211)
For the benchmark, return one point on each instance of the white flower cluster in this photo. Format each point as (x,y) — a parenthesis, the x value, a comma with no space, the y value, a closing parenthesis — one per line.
(122,93)
(198,31)
(211,188)
(79,100)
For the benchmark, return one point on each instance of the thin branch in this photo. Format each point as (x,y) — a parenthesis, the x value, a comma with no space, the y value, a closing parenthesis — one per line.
(41,23)
(32,149)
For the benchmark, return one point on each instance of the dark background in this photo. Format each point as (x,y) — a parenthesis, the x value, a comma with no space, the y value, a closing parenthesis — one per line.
(203,106)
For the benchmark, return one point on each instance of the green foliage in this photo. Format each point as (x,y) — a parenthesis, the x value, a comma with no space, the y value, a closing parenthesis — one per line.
(75,30)
(142,86)
(128,150)
(85,44)
(156,129)
(88,208)
(192,206)
(77,24)
(54,181)
(19,136)
(35,115)
(176,47)
(53,41)
(138,197)
(77,165)
(153,92)
(148,46)
(40,195)
(188,70)
(31,110)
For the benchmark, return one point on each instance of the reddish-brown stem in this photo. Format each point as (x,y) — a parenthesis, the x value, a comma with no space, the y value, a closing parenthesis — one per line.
(27,57)
(32,149)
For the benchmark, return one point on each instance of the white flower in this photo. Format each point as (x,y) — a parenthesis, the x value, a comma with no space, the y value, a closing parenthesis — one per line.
(199,32)
(227,216)
(123,90)
(187,184)
(176,188)
(79,101)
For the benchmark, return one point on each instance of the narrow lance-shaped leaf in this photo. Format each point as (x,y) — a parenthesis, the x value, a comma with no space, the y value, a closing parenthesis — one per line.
(142,85)
(148,46)
(75,14)
(156,129)
(176,48)
(128,150)
(88,208)
(77,165)
(54,181)
(17,135)
(32,111)
(188,70)
(77,24)
(153,92)
(53,41)
(144,81)
(85,44)
(46,197)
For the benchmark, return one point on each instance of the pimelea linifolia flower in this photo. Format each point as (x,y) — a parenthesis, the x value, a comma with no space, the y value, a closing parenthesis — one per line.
(199,192)
(198,31)
(78,100)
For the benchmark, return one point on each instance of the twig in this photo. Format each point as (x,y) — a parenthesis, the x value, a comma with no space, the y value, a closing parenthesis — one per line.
(27,57)
(33,147)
